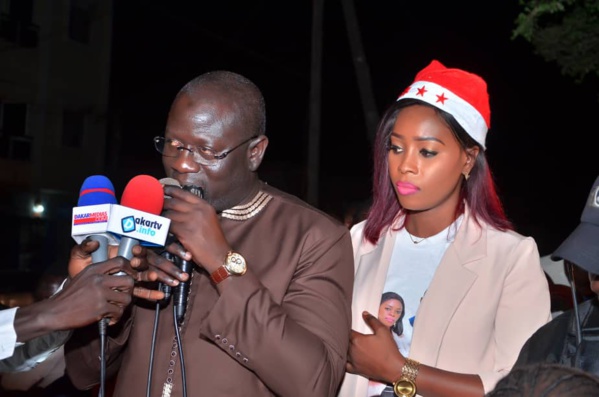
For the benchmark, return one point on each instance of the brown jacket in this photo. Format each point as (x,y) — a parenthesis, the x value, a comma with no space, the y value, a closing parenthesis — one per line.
(281,329)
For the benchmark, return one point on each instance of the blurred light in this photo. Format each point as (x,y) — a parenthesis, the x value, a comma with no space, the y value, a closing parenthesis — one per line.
(38,209)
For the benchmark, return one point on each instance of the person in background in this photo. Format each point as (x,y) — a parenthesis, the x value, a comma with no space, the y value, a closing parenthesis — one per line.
(437,232)
(546,380)
(30,334)
(572,338)
(269,308)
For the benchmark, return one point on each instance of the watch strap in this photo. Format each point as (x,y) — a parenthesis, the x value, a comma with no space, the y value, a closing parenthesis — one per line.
(406,385)
(410,369)
(219,275)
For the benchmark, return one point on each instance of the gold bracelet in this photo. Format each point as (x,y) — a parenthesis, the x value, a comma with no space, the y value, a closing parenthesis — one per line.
(406,385)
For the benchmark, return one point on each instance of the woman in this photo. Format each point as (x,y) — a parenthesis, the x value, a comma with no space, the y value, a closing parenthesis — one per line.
(473,287)
(391,313)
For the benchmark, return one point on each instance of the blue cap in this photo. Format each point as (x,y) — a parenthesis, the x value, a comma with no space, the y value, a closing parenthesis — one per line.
(96,189)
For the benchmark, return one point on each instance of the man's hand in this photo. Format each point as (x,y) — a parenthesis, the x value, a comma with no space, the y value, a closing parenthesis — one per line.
(151,268)
(93,294)
(374,356)
(147,268)
(81,256)
(197,227)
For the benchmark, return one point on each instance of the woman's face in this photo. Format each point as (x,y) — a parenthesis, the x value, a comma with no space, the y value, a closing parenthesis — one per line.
(426,162)
(390,311)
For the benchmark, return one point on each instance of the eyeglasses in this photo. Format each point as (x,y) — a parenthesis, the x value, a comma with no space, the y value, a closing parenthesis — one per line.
(201,155)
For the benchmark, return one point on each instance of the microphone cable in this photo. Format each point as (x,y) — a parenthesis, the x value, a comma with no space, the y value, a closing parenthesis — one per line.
(167,294)
(102,325)
(180,347)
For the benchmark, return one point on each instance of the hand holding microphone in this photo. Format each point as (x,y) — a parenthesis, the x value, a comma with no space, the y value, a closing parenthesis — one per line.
(138,223)
(181,293)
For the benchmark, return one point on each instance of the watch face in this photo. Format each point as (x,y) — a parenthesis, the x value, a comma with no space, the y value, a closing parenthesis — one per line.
(405,387)
(236,264)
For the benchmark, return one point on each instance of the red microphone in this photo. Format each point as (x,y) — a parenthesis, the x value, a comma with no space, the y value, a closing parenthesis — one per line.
(142,193)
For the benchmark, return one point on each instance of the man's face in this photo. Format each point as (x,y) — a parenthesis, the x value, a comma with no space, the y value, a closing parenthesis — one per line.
(594,279)
(210,122)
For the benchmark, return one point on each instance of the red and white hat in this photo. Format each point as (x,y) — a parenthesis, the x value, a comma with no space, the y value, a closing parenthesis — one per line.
(459,93)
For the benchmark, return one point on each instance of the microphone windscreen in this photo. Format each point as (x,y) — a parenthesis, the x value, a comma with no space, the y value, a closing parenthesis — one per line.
(143,193)
(96,189)
(170,182)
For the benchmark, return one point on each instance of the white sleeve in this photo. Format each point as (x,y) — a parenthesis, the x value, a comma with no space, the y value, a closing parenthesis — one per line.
(16,356)
(8,336)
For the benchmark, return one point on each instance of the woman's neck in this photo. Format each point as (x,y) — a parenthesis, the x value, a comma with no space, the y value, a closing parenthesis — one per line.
(430,222)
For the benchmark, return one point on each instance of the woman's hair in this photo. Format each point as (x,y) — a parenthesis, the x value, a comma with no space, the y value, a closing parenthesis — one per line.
(398,326)
(546,380)
(478,192)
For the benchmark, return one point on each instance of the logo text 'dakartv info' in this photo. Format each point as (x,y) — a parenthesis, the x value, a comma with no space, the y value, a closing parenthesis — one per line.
(130,224)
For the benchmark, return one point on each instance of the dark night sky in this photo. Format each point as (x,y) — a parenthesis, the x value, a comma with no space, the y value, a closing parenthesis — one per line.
(541,123)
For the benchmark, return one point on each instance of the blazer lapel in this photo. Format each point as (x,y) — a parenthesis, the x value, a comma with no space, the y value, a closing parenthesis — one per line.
(449,285)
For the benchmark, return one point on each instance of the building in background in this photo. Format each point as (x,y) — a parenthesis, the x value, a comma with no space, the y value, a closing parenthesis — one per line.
(54,86)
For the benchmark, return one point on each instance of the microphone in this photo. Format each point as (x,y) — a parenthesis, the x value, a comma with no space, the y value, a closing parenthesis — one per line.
(95,190)
(142,193)
(181,293)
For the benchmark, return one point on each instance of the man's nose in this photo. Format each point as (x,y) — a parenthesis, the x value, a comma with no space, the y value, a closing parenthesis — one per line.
(184,163)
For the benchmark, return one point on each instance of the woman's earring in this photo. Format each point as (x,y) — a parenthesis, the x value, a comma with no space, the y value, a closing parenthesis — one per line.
(466,176)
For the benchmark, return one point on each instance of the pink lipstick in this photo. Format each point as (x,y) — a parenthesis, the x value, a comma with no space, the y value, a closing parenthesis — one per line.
(405,188)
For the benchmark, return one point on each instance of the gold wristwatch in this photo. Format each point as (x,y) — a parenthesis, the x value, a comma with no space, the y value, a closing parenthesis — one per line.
(406,385)
(234,266)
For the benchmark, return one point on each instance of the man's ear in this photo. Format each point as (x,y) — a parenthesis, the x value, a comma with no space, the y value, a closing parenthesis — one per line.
(256,152)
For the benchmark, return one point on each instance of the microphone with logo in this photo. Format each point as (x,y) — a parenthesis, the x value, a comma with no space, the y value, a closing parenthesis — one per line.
(91,220)
(181,293)
(96,191)
(143,193)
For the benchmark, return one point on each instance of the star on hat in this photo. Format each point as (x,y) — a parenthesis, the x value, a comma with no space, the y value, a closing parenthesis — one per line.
(457,92)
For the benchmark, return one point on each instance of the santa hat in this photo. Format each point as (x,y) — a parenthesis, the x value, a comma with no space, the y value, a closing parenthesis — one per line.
(459,93)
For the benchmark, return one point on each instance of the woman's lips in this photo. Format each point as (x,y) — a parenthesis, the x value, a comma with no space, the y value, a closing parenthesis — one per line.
(406,188)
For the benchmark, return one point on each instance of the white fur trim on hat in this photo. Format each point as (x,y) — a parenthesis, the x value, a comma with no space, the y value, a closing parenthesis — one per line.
(465,114)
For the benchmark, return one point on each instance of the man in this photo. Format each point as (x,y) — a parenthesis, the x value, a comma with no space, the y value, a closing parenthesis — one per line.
(269,308)
(30,334)
(572,338)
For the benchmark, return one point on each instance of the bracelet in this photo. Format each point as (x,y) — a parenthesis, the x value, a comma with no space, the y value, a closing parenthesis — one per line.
(406,385)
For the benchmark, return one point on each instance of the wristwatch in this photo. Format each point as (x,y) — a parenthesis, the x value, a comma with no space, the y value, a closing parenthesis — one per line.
(234,266)
(406,385)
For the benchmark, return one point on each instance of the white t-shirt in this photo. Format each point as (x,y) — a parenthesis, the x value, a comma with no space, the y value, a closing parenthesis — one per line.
(413,264)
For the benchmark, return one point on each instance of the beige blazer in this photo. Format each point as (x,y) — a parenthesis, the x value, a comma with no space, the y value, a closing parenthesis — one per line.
(488,295)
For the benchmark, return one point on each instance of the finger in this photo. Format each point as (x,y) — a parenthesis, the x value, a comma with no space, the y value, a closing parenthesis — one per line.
(88,246)
(84,249)
(156,275)
(118,298)
(115,265)
(120,284)
(373,323)
(349,368)
(178,250)
(148,294)
(165,268)
(178,197)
